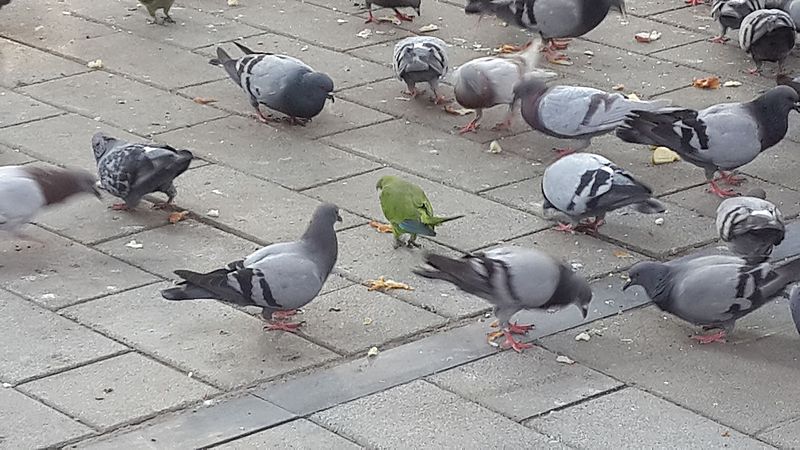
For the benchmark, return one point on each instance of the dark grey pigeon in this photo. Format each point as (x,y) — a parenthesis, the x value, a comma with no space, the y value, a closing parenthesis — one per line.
(574,112)
(278,82)
(512,279)
(767,35)
(585,185)
(731,13)
(750,225)
(713,291)
(131,171)
(394,4)
(279,278)
(421,59)
(552,19)
(722,137)
(794,306)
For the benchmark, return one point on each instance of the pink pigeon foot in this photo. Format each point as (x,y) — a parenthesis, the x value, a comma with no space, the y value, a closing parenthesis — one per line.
(719,192)
(565,228)
(562,152)
(279,315)
(730,178)
(694,2)
(719,39)
(403,17)
(719,336)
(473,125)
(120,207)
(290,327)
(592,226)
(510,342)
(516,328)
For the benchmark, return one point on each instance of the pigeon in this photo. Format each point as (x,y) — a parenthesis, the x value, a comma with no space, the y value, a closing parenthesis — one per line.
(154,5)
(279,278)
(552,19)
(512,279)
(794,305)
(785,80)
(131,171)
(4,3)
(279,82)
(767,35)
(421,59)
(722,137)
(394,4)
(730,13)
(750,225)
(575,112)
(25,190)
(489,81)
(713,291)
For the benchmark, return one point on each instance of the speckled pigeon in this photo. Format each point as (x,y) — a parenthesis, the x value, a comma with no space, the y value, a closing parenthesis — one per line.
(130,171)
(713,291)
(585,185)
(421,59)
(512,279)
(279,278)
(722,137)
(767,35)
(750,225)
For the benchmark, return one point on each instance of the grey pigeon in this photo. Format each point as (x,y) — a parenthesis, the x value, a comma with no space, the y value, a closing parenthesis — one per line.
(512,279)
(421,59)
(130,171)
(722,137)
(489,81)
(279,278)
(794,305)
(278,82)
(713,291)
(750,225)
(552,19)
(585,185)
(575,112)
(394,4)
(767,35)
(25,190)
(731,13)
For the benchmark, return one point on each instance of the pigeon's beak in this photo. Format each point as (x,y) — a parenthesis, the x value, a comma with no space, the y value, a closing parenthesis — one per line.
(796,107)
(627,284)
(96,192)
(585,310)
(331,98)
(338,217)
(417,10)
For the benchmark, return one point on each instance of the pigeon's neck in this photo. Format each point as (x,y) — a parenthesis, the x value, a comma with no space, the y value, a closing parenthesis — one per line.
(566,291)
(320,240)
(772,120)
(56,185)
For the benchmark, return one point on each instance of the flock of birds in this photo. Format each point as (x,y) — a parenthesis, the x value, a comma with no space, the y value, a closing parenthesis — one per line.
(579,188)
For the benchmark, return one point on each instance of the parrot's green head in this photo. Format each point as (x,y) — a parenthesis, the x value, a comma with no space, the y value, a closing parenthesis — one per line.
(385,181)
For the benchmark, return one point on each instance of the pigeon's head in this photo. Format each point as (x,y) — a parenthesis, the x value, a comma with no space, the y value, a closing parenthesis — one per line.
(530,87)
(619,5)
(652,276)
(582,297)
(326,214)
(319,83)
(780,100)
(101,143)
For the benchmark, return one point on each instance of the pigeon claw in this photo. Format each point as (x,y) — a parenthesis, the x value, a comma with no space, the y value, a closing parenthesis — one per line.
(558,44)
(490,337)
(719,192)
(564,228)
(163,205)
(719,39)
(694,2)
(562,152)
(591,227)
(290,327)
(280,315)
(119,207)
(514,344)
(440,100)
(471,126)
(719,336)
(402,16)
(516,328)
(731,178)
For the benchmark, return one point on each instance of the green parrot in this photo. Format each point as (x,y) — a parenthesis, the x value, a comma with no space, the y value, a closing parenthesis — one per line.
(408,209)
(154,5)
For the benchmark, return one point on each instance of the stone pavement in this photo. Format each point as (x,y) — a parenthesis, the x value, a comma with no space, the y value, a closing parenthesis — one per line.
(94,358)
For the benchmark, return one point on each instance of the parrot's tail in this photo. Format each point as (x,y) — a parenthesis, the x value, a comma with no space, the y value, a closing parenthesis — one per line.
(434,221)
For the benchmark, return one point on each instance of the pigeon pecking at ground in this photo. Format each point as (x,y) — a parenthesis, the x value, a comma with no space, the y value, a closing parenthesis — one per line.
(750,225)
(131,171)
(767,35)
(489,81)
(408,209)
(584,185)
(720,138)
(279,278)
(512,279)
(574,112)
(552,19)
(421,59)
(25,190)
(731,13)
(278,82)
(713,291)
(154,5)
(394,4)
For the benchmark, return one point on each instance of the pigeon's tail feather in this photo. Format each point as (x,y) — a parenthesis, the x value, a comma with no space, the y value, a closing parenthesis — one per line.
(459,272)
(788,272)
(650,206)
(650,128)
(229,64)
(222,57)
(186,292)
(244,49)
(417,227)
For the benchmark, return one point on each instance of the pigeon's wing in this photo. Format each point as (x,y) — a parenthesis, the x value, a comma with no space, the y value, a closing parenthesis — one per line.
(158,167)
(625,190)
(574,184)
(20,198)
(760,22)
(272,250)
(268,77)
(715,293)
(292,279)
(117,168)
(486,82)
(732,134)
(528,277)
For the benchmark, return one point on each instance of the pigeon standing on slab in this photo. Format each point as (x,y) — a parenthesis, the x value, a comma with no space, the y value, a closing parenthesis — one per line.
(489,81)
(25,190)
(279,278)
(767,35)
(750,225)
(584,185)
(575,112)
(794,305)
(552,19)
(154,5)
(130,171)
(394,4)
(720,138)
(512,279)
(731,13)
(713,291)
(278,82)
(421,59)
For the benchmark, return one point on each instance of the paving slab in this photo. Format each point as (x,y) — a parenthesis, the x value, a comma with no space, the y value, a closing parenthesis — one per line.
(630,415)
(20,415)
(26,65)
(426,415)
(45,341)
(697,20)
(458,51)
(352,319)
(77,274)
(298,434)
(214,341)
(10,156)
(197,427)
(20,108)
(652,350)
(787,435)
(118,390)
(269,153)
(700,200)
(619,32)
(127,104)
(648,7)
(69,139)
(725,61)
(777,165)
(519,386)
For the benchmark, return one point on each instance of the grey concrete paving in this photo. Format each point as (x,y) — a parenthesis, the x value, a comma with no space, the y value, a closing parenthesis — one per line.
(93,357)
